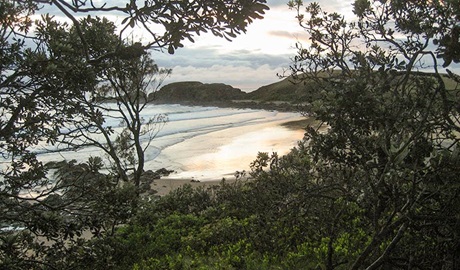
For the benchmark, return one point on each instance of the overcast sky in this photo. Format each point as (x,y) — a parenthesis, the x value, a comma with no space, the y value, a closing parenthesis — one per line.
(250,61)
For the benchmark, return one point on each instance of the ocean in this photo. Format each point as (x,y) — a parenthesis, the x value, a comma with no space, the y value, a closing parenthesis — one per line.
(206,143)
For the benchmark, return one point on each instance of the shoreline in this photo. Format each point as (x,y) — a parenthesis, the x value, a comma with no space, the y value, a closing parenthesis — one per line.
(166,184)
(281,106)
(300,124)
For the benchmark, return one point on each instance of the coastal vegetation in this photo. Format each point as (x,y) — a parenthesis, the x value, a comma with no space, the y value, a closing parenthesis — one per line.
(62,86)
(377,188)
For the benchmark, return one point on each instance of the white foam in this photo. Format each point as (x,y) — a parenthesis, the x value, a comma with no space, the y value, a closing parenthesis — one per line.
(205,142)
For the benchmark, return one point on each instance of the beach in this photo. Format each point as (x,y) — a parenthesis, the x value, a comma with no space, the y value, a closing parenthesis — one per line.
(274,132)
(164,186)
(203,144)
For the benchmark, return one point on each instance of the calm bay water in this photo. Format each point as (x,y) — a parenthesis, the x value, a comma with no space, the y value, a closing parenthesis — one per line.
(207,143)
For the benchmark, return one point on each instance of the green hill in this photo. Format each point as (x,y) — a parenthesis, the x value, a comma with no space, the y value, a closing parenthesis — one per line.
(284,90)
(197,92)
(281,92)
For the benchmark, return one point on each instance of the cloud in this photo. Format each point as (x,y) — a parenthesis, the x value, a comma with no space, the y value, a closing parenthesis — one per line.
(277,3)
(298,36)
(244,69)
(250,61)
(206,57)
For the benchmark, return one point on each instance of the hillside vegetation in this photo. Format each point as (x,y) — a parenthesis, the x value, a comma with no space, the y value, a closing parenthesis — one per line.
(283,90)
(377,189)
(197,92)
(289,90)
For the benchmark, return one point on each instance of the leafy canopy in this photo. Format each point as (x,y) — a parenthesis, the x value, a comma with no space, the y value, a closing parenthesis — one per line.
(51,80)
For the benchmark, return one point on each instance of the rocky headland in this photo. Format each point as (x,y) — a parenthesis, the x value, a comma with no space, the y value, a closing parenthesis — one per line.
(281,96)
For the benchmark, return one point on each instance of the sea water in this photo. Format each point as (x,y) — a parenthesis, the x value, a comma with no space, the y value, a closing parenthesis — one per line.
(205,143)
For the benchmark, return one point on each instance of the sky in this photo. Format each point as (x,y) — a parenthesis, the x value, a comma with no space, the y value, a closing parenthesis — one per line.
(250,61)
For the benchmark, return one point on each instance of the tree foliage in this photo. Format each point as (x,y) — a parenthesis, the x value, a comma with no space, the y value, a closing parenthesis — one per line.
(124,84)
(377,188)
(54,77)
(392,122)
(169,23)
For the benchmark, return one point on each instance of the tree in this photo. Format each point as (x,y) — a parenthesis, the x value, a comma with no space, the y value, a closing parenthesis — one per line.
(392,138)
(176,20)
(44,75)
(125,81)
(131,83)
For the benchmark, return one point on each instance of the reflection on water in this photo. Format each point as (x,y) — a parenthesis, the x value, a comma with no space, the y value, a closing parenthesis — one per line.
(233,153)
(205,142)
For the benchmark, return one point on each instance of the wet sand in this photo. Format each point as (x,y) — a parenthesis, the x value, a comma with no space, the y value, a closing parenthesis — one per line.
(166,184)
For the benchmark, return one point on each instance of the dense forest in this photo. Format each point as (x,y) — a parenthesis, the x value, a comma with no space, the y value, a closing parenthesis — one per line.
(378,188)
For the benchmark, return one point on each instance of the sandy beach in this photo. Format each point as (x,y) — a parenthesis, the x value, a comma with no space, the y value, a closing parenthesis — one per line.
(165,185)
(169,183)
